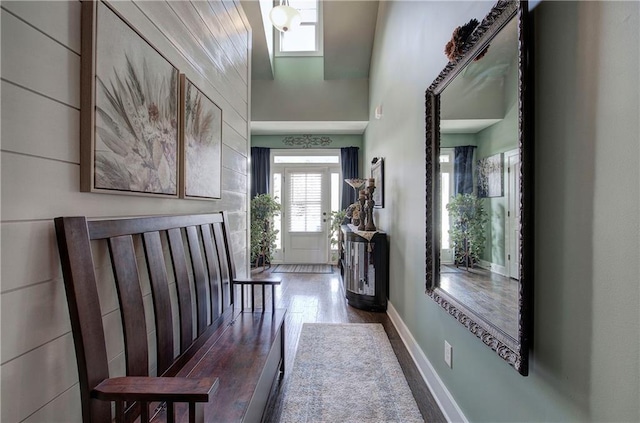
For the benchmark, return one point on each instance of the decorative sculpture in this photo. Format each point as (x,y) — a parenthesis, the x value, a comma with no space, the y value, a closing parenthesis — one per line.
(369,206)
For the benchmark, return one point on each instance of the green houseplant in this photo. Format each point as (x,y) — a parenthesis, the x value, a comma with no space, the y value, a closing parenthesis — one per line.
(337,218)
(467,231)
(263,234)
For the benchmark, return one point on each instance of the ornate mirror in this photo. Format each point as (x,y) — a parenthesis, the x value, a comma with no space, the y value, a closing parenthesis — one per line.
(479,163)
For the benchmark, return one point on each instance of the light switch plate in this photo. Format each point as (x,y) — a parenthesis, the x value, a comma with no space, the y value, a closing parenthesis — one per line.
(448,353)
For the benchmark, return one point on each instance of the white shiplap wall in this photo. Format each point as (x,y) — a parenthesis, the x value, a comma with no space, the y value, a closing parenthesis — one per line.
(40,163)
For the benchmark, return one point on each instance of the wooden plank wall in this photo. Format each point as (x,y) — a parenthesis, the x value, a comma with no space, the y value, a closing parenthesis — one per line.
(40,90)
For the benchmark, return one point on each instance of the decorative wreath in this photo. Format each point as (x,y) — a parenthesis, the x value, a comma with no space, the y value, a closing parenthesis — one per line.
(454,47)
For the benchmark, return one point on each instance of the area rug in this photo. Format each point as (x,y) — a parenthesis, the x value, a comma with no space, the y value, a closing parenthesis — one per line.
(303,268)
(347,373)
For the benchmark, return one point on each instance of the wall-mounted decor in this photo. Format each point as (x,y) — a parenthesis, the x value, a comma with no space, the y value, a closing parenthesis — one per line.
(129,109)
(490,176)
(201,143)
(377,173)
(498,309)
(307,141)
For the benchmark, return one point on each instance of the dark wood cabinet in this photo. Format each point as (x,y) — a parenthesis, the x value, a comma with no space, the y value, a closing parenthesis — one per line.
(364,268)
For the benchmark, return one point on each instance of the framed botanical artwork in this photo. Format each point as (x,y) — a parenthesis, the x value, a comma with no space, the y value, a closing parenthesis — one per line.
(377,173)
(129,109)
(201,143)
(490,177)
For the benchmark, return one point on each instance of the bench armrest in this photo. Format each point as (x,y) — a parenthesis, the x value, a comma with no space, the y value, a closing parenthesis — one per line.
(148,389)
(266,281)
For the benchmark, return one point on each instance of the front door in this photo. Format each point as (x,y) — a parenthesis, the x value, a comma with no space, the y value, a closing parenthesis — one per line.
(307,206)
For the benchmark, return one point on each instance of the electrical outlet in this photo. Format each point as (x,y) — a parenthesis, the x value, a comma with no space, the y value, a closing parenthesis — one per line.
(448,354)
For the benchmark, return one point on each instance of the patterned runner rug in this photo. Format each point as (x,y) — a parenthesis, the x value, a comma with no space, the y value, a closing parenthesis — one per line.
(303,268)
(347,373)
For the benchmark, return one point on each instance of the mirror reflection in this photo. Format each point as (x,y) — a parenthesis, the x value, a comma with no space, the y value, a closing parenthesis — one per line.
(480,184)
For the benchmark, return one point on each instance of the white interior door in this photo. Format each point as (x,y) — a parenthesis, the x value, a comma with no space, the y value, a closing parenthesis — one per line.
(446,192)
(512,161)
(306,211)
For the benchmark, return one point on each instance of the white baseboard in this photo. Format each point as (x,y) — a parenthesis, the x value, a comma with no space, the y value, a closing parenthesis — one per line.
(495,268)
(440,392)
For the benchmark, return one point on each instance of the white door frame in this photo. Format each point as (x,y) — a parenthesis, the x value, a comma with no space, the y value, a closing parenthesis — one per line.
(446,255)
(512,226)
(281,168)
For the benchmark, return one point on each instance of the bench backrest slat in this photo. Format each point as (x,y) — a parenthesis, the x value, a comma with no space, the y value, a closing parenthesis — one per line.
(200,278)
(156,267)
(228,242)
(225,277)
(125,272)
(82,297)
(182,283)
(213,266)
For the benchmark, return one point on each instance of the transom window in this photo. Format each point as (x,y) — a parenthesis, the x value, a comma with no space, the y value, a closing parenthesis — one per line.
(306,159)
(305,40)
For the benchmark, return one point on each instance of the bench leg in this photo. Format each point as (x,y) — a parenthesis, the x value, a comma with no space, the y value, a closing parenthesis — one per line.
(144,412)
(242,297)
(170,413)
(273,298)
(119,412)
(196,412)
(282,347)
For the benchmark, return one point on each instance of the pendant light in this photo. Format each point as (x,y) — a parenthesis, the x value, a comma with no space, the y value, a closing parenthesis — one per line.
(284,17)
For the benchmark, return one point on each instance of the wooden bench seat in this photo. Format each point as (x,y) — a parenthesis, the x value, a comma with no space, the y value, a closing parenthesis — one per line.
(217,360)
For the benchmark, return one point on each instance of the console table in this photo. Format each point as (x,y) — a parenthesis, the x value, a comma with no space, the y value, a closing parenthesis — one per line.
(364,259)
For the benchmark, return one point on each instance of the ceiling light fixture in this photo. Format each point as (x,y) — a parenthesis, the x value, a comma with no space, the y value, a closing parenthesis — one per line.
(284,17)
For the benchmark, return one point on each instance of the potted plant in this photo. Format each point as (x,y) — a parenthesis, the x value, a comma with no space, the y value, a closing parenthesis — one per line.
(467,231)
(263,234)
(337,219)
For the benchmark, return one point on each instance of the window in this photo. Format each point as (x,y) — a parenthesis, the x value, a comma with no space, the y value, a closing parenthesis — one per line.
(306,159)
(305,205)
(306,40)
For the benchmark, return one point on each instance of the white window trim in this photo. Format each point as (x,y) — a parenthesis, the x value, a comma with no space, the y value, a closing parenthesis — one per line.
(319,40)
(305,152)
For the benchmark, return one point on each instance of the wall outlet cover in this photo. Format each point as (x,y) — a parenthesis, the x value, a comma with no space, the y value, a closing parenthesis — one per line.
(448,354)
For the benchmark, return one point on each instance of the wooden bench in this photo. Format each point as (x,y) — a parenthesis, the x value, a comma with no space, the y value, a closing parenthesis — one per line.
(220,362)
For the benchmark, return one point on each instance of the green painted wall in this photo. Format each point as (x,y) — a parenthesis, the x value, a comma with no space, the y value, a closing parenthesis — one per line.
(499,138)
(298,68)
(585,360)
(457,140)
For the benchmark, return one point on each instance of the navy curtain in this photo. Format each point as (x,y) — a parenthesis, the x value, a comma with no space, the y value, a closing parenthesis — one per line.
(349,160)
(260,170)
(463,170)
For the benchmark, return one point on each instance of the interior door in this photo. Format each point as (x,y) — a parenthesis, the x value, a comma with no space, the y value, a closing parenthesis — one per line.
(512,160)
(306,212)
(446,190)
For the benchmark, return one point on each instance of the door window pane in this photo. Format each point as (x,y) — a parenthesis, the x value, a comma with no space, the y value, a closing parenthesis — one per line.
(305,202)
(277,219)
(302,38)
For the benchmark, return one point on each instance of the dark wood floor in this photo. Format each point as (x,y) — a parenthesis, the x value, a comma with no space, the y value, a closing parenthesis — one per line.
(318,298)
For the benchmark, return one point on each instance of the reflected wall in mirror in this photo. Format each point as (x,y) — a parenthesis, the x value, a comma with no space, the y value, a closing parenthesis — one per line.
(479,189)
